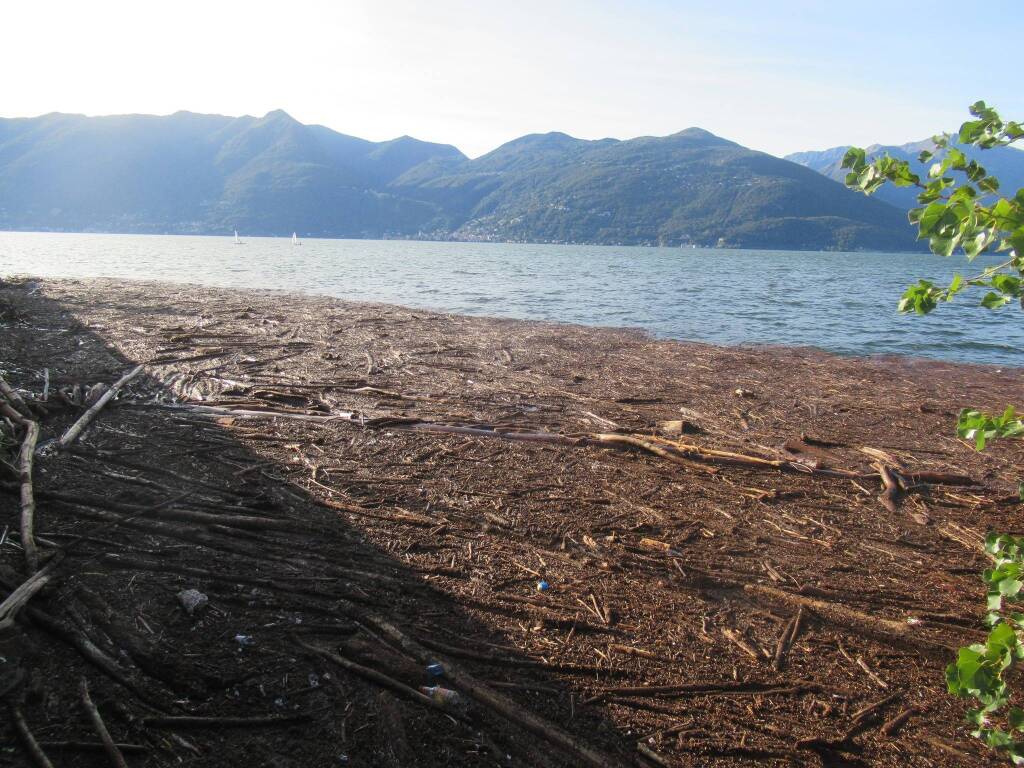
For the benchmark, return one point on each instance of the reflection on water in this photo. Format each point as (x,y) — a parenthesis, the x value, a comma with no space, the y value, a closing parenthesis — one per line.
(844,302)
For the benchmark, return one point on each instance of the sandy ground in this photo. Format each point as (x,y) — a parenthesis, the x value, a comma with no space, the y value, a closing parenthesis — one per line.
(620,551)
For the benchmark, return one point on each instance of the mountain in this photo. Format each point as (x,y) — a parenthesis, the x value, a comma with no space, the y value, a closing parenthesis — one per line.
(205,174)
(691,187)
(1005,163)
(191,173)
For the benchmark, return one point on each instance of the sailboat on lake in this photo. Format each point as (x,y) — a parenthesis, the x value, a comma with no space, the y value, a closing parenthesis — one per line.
(237,241)
(295,239)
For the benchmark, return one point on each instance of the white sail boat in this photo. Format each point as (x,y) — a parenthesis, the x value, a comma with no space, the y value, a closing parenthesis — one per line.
(295,239)
(237,241)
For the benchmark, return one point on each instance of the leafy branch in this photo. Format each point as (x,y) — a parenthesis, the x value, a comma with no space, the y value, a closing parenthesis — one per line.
(961,208)
(980,670)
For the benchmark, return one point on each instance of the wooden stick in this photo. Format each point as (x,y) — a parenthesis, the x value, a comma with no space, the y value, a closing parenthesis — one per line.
(193,721)
(618,441)
(376,677)
(15,399)
(76,429)
(890,497)
(893,725)
(857,621)
(28,503)
(786,640)
(498,703)
(89,746)
(38,756)
(99,726)
(19,597)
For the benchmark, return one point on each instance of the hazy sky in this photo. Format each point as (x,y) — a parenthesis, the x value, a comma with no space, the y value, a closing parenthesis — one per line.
(778,76)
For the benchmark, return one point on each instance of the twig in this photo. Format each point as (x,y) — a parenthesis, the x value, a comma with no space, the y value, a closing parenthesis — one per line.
(76,429)
(99,726)
(894,724)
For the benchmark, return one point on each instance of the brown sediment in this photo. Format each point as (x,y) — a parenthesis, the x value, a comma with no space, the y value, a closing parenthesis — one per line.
(750,551)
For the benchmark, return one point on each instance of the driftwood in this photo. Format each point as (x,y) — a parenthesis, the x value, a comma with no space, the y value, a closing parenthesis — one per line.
(31,745)
(684,454)
(16,400)
(95,656)
(76,429)
(892,489)
(786,640)
(26,590)
(194,721)
(488,697)
(624,441)
(99,726)
(379,678)
(90,746)
(28,503)
(862,623)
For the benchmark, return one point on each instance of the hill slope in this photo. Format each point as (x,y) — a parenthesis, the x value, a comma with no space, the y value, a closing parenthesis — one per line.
(691,187)
(1005,163)
(204,173)
(271,175)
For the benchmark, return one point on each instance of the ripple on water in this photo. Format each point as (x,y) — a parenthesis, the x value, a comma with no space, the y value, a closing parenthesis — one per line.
(840,302)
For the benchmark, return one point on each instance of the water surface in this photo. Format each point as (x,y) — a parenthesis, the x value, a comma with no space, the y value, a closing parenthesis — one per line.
(842,302)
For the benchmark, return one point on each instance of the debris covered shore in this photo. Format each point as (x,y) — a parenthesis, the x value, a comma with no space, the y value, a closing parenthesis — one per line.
(310,532)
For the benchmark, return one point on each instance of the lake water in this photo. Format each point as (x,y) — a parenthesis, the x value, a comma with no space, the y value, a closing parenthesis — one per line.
(843,302)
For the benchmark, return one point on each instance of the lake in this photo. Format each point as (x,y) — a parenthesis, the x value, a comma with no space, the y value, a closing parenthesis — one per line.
(842,302)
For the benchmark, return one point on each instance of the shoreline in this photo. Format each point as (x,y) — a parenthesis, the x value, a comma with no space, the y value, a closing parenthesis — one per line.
(390,486)
(639,331)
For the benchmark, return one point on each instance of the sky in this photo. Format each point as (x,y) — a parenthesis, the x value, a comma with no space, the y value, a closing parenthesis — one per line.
(779,76)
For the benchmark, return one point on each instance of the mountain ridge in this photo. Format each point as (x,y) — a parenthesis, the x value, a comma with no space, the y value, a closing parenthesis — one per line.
(194,173)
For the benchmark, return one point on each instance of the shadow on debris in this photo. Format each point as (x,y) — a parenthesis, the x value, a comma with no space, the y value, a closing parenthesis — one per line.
(224,617)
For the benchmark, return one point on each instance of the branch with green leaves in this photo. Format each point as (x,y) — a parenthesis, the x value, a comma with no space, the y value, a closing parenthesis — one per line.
(960,208)
(980,670)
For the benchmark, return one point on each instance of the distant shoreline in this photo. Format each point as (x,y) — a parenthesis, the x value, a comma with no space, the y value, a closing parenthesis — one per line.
(287,236)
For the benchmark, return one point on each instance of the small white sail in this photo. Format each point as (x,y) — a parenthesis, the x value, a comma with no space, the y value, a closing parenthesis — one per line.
(295,239)
(237,241)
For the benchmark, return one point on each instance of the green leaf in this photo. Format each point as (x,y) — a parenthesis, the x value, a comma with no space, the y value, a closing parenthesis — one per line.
(993,300)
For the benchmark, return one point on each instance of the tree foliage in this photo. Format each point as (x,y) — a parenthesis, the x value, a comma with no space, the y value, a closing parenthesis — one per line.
(961,208)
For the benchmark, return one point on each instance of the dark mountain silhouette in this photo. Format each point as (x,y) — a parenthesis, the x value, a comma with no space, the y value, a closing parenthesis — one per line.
(191,173)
